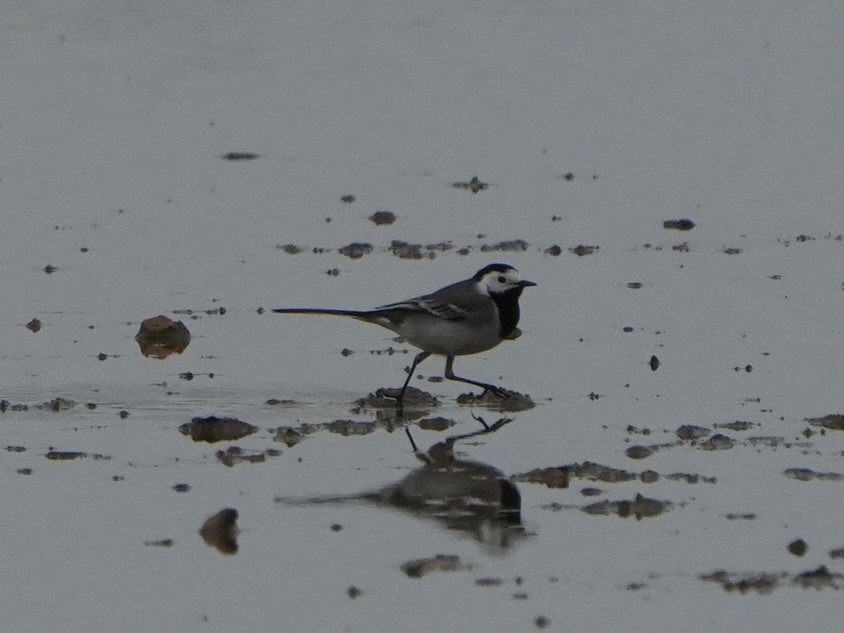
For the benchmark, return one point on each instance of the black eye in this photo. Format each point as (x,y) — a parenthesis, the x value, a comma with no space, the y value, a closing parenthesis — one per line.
(502,279)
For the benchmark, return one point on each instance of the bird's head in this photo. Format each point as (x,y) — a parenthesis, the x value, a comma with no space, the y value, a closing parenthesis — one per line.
(500,279)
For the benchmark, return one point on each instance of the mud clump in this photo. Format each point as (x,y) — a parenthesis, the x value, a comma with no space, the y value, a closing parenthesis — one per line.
(160,337)
(798,547)
(738,425)
(57,404)
(581,250)
(355,250)
(691,432)
(213,429)
(511,246)
(439,563)
(678,225)
(764,583)
(807,474)
(640,507)
(64,456)
(236,455)
(236,156)
(744,583)
(717,442)
(550,477)
(288,435)
(639,452)
(598,472)
(34,326)
(5,405)
(220,531)
(290,249)
(820,578)
(382,218)
(474,185)
(512,400)
(387,397)
(833,422)
(349,428)
(406,250)
(438,423)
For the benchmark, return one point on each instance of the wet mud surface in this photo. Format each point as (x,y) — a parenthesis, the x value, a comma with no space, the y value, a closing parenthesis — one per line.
(659,469)
(480,477)
(666,449)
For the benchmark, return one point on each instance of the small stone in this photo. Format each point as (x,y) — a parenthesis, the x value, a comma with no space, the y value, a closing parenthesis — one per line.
(679,225)
(638,452)
(234,156)
(380,218)
(220,531)
(798,547)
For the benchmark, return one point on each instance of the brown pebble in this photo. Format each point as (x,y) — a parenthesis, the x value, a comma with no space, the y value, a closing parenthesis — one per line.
(220,531)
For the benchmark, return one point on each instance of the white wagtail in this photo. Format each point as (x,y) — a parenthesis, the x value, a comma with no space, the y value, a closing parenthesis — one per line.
(467,317)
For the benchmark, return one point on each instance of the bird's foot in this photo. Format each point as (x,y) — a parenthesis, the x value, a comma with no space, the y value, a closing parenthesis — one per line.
(500,392)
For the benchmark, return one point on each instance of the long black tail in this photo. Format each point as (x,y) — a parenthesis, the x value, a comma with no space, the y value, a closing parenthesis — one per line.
(355,314)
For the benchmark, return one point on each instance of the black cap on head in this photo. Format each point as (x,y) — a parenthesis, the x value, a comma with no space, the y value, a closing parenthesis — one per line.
(498,268)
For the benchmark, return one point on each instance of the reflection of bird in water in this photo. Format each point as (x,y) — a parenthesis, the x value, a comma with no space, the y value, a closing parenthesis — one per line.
(463,495)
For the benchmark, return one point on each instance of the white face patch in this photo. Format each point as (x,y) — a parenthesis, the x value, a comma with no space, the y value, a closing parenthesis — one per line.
(500,281)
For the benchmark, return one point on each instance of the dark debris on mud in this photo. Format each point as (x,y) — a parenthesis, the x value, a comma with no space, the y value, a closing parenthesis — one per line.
(683,224)
(355,250)
(511,402)
(240,156)
(807,474)
(439,563)
(766,582)
(382,218)
(418,251)
(640,507)
(832,422)
(220,531)
(386,397)
(562,476)
(291,436)
(213,429)
(475,185)
(236,455)
(704,439)
(160,337)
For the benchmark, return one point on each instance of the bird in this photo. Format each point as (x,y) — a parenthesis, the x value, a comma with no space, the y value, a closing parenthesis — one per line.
(466,317)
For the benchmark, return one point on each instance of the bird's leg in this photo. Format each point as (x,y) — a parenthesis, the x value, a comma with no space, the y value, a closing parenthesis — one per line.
(449,373)
(490,428)
(417,359)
